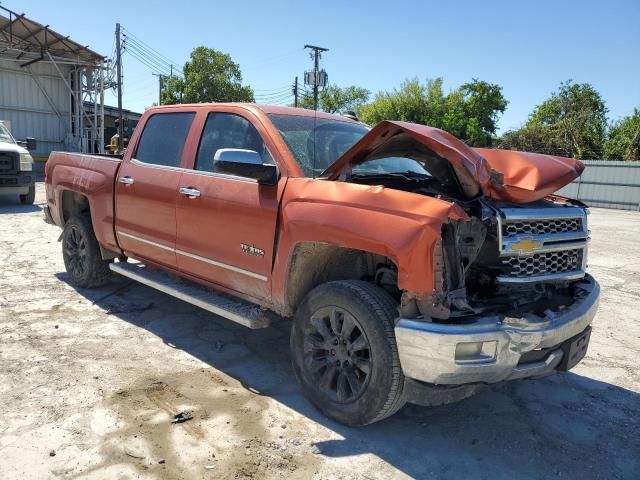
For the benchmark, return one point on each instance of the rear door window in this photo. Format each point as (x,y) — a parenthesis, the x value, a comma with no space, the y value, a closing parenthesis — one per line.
(226,130)
(163,138)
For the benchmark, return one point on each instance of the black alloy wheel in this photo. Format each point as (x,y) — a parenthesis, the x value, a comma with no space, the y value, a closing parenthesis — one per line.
(344,352)
(337,353)
(75,250)
(82,255)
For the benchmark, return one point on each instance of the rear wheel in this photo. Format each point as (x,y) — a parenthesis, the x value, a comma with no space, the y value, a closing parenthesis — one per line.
(81,254)
(29,198)
(344,352)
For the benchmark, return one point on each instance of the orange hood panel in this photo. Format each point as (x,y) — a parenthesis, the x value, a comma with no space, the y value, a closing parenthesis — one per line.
(528,177)
(500,174)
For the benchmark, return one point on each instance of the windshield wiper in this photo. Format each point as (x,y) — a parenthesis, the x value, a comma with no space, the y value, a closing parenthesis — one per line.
(410,175)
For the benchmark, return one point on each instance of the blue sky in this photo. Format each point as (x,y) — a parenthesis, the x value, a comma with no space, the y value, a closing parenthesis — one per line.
(526,47)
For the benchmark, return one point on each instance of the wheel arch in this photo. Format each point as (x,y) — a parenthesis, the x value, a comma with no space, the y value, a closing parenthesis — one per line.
(314,263)
(75,203)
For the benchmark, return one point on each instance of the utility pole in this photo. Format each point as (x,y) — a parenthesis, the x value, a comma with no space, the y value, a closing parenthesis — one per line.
(161,82)
(295,93)
(319,78)
(119,81)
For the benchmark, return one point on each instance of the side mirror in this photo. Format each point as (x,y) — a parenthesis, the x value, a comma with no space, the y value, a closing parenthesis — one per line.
(245,163)
(31,144)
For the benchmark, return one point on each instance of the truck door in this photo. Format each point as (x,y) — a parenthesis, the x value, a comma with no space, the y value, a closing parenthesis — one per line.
(147,187)
(226,224)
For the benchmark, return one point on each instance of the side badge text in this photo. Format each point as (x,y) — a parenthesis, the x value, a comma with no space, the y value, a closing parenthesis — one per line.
(252,250)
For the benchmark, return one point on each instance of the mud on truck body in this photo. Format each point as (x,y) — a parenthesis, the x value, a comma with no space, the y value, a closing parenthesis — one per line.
(414,267)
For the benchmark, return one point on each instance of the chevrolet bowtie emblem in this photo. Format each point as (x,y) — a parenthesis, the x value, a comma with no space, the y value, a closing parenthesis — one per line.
(525,246)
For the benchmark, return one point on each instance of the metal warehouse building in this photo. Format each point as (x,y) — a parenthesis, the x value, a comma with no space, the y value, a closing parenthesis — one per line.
(51,88)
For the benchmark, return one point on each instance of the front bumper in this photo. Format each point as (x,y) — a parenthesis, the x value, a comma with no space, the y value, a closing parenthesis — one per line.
(16,183)
(489,350)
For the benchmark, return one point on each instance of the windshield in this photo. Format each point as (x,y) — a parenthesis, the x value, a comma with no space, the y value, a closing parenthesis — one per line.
(5,136)
(317,142)
(386,165)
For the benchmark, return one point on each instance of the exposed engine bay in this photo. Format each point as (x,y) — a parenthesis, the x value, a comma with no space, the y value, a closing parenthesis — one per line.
(508,259)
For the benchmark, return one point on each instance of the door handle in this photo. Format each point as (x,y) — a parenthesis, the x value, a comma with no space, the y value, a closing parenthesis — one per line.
(126,180)
(190,192)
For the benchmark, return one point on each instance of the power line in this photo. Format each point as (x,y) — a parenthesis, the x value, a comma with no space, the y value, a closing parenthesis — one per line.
(158,63)
(152,62)
(167,59)
(271,94)
(286,87)
(143,60)
(275,97)
(161,64)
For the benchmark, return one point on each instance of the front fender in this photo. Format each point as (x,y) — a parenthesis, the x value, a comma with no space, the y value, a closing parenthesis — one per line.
(400,225)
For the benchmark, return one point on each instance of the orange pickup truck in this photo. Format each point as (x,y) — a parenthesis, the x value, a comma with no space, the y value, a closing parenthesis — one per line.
(414,268)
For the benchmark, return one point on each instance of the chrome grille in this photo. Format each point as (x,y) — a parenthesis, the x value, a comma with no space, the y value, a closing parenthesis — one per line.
(542,244)
(544,263)
(541,227)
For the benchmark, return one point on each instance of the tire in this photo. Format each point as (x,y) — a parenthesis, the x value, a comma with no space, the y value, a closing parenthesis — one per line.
(356,319)
(29,198)
(81,254)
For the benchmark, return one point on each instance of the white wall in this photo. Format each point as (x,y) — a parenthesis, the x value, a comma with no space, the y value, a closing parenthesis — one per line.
(27,108)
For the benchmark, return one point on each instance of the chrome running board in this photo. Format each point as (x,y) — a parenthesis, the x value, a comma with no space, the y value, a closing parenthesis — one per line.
(239,311)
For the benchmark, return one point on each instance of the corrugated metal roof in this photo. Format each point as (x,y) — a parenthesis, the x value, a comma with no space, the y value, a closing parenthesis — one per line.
(27,39)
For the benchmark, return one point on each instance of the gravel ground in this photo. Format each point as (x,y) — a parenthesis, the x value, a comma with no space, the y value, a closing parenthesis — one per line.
(91,379)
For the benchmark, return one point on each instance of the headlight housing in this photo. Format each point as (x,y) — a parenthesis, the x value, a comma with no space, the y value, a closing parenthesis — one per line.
(26,162)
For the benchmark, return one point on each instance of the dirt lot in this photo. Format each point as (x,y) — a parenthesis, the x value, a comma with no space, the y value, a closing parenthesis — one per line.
(91,379)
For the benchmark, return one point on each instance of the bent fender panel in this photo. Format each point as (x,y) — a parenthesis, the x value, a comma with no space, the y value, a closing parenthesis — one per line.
(399,225)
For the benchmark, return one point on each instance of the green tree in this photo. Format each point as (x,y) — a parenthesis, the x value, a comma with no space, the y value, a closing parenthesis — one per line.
(573,123)
(407,103)
(469,112)
(334,99)
(623,141)
(172,90)
(531,138)
(209,76)
(482,102)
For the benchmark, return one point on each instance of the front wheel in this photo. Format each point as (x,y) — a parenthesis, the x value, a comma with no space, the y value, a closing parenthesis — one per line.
(29,197)
(81,254)
(345,356)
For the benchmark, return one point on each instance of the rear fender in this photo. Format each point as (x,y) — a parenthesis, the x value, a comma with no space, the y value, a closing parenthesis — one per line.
(92,177)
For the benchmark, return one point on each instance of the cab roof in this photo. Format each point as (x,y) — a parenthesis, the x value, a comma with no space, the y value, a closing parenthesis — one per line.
(267,109)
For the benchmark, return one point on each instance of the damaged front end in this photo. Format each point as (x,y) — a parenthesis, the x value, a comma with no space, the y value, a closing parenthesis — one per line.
(496,347)
(512,300)
(507,258)
(511,296)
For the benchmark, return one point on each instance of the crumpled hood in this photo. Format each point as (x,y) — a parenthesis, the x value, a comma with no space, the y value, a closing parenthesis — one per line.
(527,177)
(500,174)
